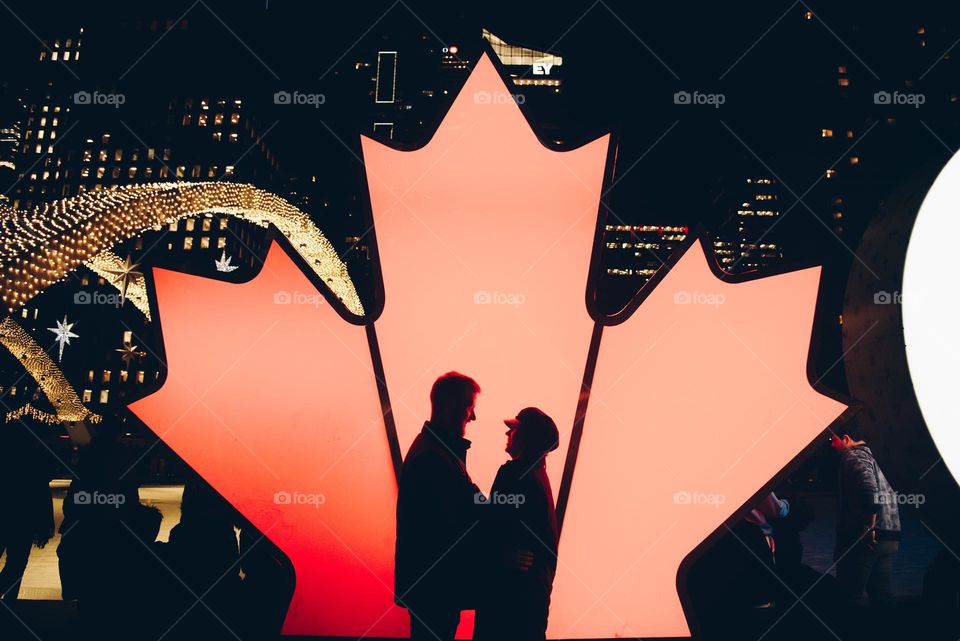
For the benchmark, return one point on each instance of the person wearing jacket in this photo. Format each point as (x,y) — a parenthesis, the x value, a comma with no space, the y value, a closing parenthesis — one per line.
(868,524)
(437,515)
(520,529)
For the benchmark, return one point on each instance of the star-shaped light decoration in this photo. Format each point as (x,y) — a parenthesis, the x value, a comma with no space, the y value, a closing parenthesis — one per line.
(129,352)
(223,265)
(124,275)
(64,334)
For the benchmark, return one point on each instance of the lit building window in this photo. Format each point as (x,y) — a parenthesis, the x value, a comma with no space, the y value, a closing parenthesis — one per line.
(234,118)
(188,242)
(140,376)
(186,119)
(204,242)
(205,225)
(233,137)
(127,336)
(218,119)
(826,133)
(191,223)
(221,242)
(118,155)
(106,376)
(831,173)
(223,223)
(104,395)
(87,395)
(854,160)
(386,79)
(202,120)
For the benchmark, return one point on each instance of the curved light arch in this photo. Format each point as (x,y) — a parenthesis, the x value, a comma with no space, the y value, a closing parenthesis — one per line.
(42,245)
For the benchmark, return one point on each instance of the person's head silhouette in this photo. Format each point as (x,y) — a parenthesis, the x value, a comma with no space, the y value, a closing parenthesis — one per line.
(452,401)
(531,435)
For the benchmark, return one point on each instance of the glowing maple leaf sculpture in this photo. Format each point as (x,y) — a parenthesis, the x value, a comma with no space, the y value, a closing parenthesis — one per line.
(270,391)
(484,241)
(699,398)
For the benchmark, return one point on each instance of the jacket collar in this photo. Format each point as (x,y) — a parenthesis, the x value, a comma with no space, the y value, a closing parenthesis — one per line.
(457,445)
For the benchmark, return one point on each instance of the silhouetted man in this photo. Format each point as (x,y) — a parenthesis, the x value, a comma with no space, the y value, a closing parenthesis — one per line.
(521,527)
(868,528)
(436,513)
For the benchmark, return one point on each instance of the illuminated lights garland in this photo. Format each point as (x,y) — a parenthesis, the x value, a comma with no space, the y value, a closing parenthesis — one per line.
(48,376)
(42,245)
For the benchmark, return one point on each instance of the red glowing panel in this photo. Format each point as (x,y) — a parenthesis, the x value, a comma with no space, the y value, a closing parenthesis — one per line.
(485,239)
(698,400)
(269,391)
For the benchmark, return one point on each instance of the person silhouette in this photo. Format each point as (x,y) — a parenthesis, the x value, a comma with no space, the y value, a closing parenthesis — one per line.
(521,530)
(437,511)
(28,504)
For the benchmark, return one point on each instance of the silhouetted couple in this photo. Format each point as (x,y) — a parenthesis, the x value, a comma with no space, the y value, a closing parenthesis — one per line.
(458,549)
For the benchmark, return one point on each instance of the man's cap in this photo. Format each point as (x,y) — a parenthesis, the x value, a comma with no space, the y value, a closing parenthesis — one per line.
(539,427)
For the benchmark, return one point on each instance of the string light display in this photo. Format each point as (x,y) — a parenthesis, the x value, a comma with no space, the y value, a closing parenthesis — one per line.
(48,376)
(42,245)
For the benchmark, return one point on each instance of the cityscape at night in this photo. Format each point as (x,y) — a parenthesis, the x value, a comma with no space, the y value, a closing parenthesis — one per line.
(242,243)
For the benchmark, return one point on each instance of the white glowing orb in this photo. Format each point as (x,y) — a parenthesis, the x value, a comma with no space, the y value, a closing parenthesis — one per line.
(931,310)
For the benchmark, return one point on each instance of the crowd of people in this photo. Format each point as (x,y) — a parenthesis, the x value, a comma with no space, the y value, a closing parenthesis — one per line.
(207,581)
(458,548)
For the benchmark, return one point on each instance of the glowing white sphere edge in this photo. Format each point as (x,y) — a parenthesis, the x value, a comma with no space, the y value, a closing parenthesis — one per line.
(931,312)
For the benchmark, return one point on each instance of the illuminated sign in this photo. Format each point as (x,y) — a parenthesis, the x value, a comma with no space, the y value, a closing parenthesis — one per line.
(930,309)
(698,397)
